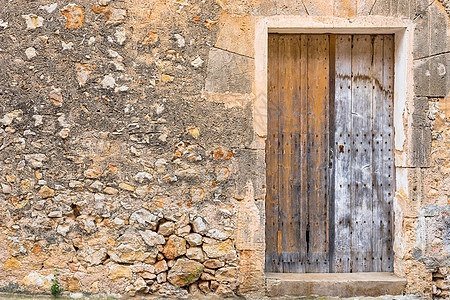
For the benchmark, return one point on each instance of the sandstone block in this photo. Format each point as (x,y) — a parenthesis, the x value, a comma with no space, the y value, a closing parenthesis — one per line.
(117,271)
(46,192)
(218,250)
(213,263)
(110,191)
(36,279)
(161,277)
(143,217)
(214,285)
(207,276)
(126,186)
(113,15)
(151,238)
(175,246)
(217,234)
(204,286)
(198,225)
(147,275)
(12,264)
(228,72)
(236,34)
(224,290)
(91,173)
(140,284)
(166,228)
(183,231)
(185,272)
(194,239)
(195,253)
(74,15)
(161,266)
(128,254)
(227,274)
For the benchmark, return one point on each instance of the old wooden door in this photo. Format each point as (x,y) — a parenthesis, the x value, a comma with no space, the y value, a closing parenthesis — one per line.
(329,156)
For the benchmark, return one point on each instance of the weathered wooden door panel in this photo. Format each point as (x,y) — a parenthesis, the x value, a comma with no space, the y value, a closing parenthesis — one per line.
(363,164)
(329,153)
(317,104)
(297,152)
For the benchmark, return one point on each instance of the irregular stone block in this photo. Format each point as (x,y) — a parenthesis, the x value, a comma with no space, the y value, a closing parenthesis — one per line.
(175,247)
(213,264)
(227,274)
(12,264)
(161,266)
(36,279)
(143,217)
(219,249)
(113,15)
(117,272)
(33,21)
(151,238)
(185,272)
(74,15)
(198,225)
(195,253)
(194,239)
(46,192)
(166,228)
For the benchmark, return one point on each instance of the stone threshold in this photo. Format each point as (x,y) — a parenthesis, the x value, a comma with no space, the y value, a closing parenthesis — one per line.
(372,284)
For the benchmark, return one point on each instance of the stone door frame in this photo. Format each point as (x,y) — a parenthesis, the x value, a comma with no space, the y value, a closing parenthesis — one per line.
(403,31)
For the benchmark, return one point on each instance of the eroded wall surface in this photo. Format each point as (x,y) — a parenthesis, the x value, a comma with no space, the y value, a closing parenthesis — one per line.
(128,156)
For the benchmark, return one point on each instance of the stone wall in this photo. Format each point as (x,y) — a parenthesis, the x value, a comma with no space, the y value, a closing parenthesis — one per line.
(127,149)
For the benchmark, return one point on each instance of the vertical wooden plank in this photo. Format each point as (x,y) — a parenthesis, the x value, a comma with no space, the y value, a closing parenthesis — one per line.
(342,153)
(288,166)
(362,153)
(378,100)
(298,232)
(331,141)
(388,156)
(304,150)
(318,89)
(271,204)
(284,123)
(283,141)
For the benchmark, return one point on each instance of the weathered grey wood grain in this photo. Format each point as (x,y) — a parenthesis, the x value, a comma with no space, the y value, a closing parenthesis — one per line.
(362,153)
(378,102)
(388,157)
(342,153)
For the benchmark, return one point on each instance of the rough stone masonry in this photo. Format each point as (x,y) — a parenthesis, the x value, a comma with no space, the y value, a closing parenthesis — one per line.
(127,154)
